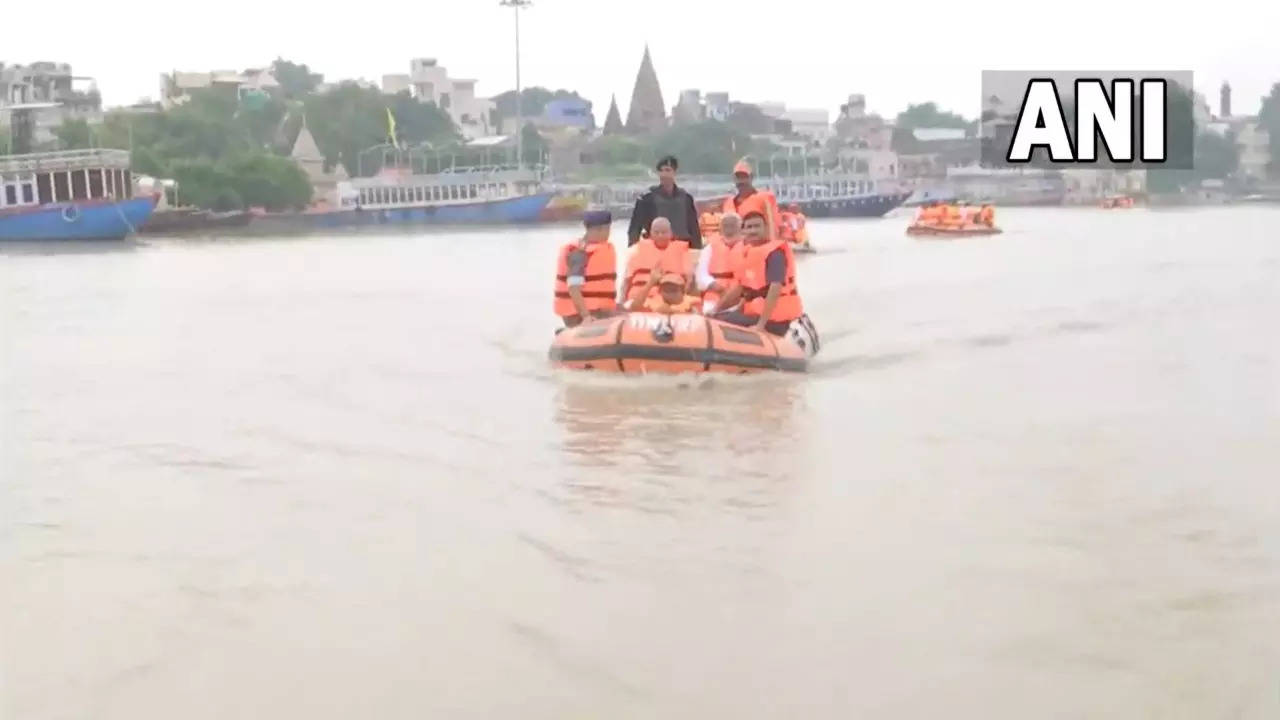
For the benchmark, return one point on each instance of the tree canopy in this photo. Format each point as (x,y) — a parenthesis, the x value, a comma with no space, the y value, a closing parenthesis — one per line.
(1269,119)
(533,100)
(928,115)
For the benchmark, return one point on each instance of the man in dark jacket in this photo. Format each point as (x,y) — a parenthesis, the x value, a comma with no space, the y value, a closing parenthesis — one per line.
(669,201)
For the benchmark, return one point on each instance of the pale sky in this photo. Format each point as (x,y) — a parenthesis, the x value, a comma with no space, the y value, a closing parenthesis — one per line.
(805,53)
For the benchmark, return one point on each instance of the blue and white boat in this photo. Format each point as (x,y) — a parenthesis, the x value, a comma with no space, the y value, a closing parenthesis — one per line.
(471,196)
(70,195)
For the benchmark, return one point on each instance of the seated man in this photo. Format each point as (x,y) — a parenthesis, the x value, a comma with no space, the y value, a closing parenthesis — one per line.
(720,256)
(766,283)
(586,271)
(658,250)
(671,298)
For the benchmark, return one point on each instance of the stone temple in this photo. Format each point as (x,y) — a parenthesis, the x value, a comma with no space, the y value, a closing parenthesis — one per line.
(647,113)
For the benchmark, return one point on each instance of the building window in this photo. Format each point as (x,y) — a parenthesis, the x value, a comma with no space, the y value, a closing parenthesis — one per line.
(28,193)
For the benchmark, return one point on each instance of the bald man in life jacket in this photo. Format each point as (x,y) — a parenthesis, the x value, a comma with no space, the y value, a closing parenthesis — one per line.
(749,200)
(658,253)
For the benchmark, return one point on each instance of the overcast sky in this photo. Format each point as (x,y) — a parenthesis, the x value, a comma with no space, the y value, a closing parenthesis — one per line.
(806,53)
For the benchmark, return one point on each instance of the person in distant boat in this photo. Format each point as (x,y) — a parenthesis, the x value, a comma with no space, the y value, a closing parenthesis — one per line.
(670,201)
(657,254)
(748,199)
(716,265)
(765,282)
(798,225)
(671,298)
(586,273)
(987,215)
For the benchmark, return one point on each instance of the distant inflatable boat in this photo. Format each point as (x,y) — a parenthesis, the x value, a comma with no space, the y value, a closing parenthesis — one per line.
(936,231)
(640,343)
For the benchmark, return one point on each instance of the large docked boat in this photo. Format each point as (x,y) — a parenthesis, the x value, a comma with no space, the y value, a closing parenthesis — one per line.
(846,195)
(70,195)
(397,196)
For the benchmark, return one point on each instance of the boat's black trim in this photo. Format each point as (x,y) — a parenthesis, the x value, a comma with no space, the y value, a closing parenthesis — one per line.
(706,365)
(706,356)
(617,341)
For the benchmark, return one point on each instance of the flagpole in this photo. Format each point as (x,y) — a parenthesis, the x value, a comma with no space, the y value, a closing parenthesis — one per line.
(516,6)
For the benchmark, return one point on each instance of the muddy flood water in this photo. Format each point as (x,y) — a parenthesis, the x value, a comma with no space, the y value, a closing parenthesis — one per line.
(1030,476)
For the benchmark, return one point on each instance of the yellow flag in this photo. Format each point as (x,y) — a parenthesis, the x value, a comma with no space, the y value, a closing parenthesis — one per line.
(391,128)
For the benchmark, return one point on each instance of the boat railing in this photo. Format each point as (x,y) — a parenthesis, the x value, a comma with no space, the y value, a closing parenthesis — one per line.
(64,160)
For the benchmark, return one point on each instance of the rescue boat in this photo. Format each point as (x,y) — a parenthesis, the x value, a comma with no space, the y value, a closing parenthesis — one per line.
(1113,202)
(641,343)
(944,231)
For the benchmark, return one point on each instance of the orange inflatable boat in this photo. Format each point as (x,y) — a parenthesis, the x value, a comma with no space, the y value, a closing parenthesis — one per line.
(941,231)
(638,343)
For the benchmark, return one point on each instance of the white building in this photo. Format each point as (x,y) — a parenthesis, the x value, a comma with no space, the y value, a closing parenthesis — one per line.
(430,82)
(811,123)
(70,97)
(717,106)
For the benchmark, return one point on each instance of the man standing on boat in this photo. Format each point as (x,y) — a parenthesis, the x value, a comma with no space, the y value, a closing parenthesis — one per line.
(666,200)
(750,200)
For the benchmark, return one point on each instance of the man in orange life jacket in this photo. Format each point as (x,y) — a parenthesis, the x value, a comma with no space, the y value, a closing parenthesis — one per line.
(670,201)
(658,253)
(748,200)
(766,283)
(722,255)
(587,273)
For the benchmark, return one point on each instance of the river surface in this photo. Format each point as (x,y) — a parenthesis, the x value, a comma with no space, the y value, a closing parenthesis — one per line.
(1031,476)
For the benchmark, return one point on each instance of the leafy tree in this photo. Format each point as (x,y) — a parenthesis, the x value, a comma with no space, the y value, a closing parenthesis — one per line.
(296,81)
(929,115)
(748,119)
(350,119)
(74,134)
(533,100)
(1269,119)
(269,181)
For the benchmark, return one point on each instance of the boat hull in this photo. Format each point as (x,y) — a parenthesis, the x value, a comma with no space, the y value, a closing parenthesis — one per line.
(190,221)
(862,206)
(85,220)
(524,209)
(940,232)
(632,344)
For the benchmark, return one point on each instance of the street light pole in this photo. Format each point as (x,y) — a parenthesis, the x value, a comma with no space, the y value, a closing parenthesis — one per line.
(516,6)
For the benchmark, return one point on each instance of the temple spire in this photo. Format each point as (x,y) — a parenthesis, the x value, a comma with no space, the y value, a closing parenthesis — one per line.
(647,113)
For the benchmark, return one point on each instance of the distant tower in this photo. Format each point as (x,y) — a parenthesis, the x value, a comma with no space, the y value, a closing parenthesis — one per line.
(613,121)
(1224,100)
(647,113)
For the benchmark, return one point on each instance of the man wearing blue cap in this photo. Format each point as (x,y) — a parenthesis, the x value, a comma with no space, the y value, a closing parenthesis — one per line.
(587,273)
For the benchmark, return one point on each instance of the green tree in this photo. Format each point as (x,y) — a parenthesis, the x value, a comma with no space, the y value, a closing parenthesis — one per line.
(74,134)
(928,114)
(269,181)
(533,100)
(1269,119)
(296,81)
(1217,156)
(350,119)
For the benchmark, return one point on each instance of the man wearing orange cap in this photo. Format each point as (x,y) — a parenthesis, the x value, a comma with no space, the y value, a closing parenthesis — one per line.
(748,199)
(671,298)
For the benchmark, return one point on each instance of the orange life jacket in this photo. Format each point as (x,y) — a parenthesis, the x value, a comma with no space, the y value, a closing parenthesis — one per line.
(723,265)
(786,226)
(689,304)
(987,215)
(645,255)
(599,282)
(755,202)
(751,275)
